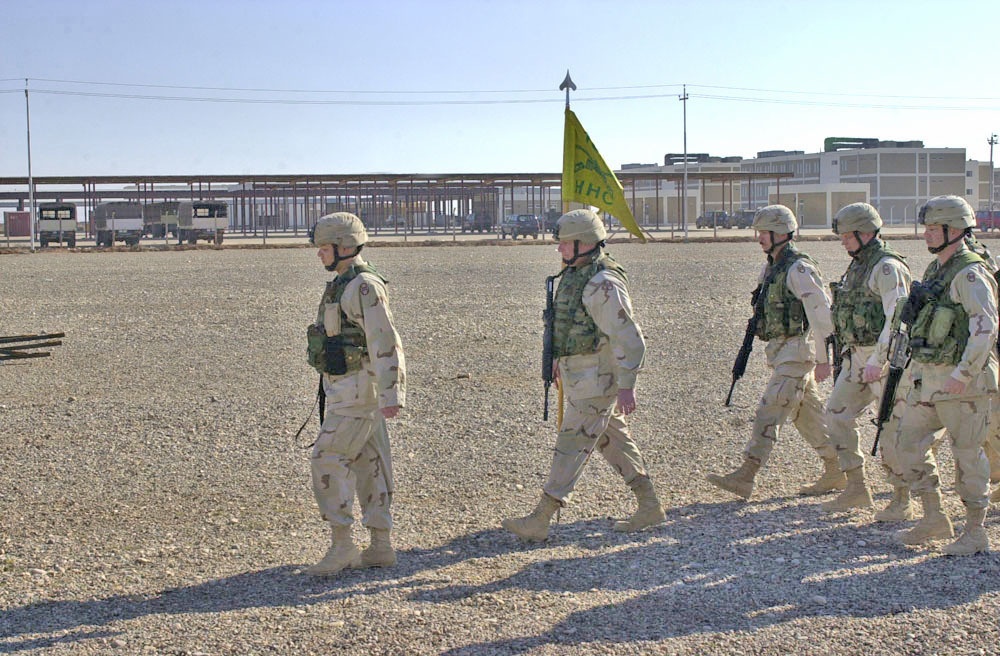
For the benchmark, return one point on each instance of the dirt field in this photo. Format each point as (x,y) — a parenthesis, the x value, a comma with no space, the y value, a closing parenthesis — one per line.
(153,499)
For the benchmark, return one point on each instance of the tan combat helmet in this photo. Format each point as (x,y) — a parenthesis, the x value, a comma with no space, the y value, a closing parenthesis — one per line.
(775,218)
(856,217)
(340,228)
(949,211)
(580,225)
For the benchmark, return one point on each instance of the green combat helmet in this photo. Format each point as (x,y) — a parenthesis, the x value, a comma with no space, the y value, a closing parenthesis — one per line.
(340,228)
(856,217)
(775,218)
(950,211)
(580,225)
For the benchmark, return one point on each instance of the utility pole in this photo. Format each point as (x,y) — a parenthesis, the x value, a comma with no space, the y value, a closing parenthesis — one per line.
(684,183)
(992,142)
(31,182)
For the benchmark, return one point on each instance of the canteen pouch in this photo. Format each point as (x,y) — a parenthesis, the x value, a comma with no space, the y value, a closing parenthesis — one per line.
(940,327)
(336,356)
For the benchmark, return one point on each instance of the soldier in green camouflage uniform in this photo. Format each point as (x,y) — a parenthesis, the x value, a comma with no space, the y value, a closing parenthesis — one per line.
(867,293)
(357,350)
(953,374)
(793,313)
(599,350)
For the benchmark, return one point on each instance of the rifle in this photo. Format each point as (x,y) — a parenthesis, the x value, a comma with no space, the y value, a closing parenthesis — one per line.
(17,347)
(740,365)
(899,350)
(899,357)
(548,341)
(837,357)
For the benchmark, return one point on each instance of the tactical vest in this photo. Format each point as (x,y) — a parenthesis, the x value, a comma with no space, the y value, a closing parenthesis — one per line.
(941,330)
(857,311)
(780,313)
(575,333)
(352,336)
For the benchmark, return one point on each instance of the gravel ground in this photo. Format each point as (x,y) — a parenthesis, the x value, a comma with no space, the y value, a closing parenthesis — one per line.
(153,499)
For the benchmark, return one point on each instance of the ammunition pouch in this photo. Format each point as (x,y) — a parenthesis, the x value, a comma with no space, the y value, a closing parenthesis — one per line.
(332,355)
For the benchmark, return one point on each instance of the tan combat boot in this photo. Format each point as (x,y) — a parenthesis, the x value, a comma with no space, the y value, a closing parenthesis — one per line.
(974,538)
(534,527)
(649,513)
(855,496)
(739,482)
(832,479)
(379,552)
(899,509)
(342,554)
(934,525)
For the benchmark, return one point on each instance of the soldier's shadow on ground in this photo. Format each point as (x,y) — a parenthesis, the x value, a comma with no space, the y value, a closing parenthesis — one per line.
(710,567)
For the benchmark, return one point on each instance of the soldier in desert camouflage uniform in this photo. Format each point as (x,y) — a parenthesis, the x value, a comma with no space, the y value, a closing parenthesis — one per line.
(866,295)
(599,349)
(953,374)
(793,313)
(356,348)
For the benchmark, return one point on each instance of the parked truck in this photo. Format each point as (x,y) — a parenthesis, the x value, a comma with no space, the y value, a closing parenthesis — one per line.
(117,221)
(160,218)
(198,219)
(57,224)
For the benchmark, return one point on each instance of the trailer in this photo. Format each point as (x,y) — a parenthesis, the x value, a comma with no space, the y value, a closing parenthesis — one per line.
(57,224)
(117,221)
(206,220)
(160,219)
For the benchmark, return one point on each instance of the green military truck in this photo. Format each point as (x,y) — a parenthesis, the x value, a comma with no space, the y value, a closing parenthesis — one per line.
(57,224)
(117,221)
(202,219)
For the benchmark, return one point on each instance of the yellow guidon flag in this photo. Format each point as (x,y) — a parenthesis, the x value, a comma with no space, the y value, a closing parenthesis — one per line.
(588,180)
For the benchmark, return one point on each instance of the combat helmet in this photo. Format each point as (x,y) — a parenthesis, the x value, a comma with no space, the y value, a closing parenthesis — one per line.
(340,228)
(856,217)
(948,212)
(776,219)
(580,225)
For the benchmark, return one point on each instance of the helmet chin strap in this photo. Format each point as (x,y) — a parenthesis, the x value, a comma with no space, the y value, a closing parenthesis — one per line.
(774,244)
(937,249)
(337,259)
(861,246)
(577,254)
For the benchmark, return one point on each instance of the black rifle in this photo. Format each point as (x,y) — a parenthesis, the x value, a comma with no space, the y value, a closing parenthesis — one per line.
(548,341)
(899,357)
(899,350)
(837,357)
(740,365)
(16,347)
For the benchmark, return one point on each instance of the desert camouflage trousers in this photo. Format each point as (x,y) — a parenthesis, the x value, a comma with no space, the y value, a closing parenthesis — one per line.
(789,397)
(589,423)
(967,422)
(351,456)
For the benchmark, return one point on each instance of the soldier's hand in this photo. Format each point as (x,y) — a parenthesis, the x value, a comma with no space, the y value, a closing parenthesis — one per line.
(952,386)
(871,373)
(823,370)
(555,370)
(390,412)
(626,401)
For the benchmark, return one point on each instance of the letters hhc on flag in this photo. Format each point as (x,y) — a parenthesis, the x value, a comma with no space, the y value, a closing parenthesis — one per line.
(588,180)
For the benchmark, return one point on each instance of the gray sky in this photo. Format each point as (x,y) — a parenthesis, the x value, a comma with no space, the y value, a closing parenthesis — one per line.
(311,86)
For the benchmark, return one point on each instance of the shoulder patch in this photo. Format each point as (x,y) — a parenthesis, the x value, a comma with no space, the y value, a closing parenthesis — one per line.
(364,288)
(886,269)
(802,268)
(971,277)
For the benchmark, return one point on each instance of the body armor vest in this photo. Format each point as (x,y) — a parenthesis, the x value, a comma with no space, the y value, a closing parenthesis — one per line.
(575,332)
(779,313)
(857,311)
(351,333)
(941,330)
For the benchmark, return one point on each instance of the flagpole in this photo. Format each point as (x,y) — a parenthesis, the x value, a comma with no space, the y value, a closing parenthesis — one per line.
(567,84)
(31,182)
(684,187)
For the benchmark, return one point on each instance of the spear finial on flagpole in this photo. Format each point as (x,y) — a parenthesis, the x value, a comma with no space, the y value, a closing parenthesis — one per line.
(567,84)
